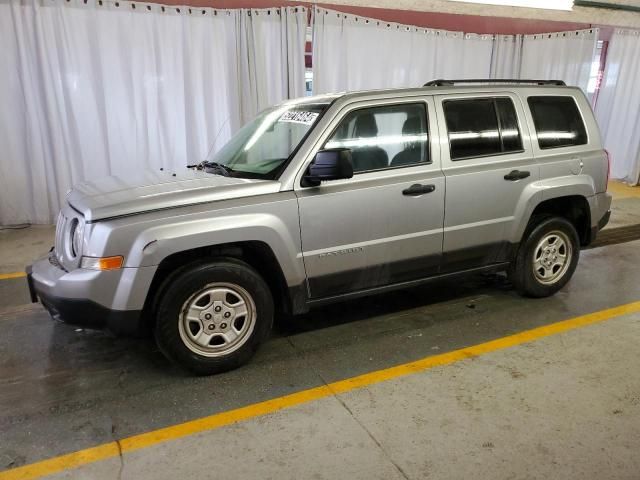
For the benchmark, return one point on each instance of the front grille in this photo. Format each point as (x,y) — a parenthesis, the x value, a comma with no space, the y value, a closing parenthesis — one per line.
(59,242)
(53,260)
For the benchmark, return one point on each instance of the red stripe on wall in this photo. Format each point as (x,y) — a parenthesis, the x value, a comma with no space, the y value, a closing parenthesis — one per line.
(437,20)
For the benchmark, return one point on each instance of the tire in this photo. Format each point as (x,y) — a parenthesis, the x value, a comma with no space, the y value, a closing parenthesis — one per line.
(200,324)
(545,241)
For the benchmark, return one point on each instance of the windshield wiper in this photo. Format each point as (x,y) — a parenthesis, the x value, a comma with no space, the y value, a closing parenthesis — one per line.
(213,167)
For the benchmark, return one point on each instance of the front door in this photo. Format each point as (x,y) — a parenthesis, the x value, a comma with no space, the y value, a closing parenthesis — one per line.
(384,225)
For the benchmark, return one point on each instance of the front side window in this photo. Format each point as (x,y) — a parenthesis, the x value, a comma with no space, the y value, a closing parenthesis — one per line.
(481,127)
(384,137)
(262,146)
(558,122)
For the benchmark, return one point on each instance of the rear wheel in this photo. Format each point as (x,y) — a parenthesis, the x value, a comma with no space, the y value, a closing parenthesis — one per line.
(547,257)
(212,317)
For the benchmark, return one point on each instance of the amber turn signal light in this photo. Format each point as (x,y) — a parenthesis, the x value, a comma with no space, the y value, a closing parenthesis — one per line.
(103,263)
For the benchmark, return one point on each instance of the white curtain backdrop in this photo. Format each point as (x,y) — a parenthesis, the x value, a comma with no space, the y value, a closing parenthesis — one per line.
(618,106)
(560,56)
(548,56)
(356,53)
(108,87)
(271,47)
(506,58)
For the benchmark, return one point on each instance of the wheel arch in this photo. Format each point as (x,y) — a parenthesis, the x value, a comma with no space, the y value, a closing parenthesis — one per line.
(567,197)
(574,208)
(257,254)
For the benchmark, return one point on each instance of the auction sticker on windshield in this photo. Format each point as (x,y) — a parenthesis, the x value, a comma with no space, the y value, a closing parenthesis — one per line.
(293,116)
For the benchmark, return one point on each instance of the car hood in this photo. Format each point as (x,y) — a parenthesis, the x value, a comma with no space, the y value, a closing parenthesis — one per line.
(151,190)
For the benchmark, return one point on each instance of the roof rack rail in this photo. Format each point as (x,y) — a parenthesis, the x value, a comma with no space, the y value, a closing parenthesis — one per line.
(448,83)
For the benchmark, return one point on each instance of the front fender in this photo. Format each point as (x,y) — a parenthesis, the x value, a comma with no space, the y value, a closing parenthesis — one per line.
(145,240)
(157,243)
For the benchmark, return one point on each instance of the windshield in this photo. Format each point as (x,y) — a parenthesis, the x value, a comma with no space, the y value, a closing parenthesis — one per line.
(265,144)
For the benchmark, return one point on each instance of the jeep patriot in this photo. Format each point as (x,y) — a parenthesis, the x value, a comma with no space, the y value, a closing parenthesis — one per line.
(327,198)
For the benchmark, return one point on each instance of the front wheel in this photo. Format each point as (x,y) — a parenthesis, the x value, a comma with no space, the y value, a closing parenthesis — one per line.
(547,257)
(212,317)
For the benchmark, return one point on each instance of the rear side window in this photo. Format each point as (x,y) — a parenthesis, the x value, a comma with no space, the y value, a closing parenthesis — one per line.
(558,122)
(482,127)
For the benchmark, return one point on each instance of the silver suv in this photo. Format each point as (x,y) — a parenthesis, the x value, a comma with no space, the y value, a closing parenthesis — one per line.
(332,197)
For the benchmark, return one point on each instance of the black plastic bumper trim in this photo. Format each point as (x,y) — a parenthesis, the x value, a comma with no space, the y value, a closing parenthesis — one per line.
(32,288)
(604,220)
(601,224)
(89,314)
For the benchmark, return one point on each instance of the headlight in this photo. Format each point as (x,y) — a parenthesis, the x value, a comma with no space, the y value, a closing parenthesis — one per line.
(77,237)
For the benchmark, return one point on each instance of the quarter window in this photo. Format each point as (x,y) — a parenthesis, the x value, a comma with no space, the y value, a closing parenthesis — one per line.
(482,127)
(558,122)
(384,137)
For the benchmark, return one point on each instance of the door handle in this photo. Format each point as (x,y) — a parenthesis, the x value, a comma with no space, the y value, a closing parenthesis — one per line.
(418,189)
(516,175)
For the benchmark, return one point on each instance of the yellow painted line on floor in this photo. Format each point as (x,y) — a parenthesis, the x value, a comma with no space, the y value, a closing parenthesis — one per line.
(621,190)
(155,437)
(7,276)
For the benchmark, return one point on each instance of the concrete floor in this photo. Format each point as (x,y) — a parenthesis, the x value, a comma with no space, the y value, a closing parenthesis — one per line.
(541,410)
(18,247)
(567,406)
(625,209)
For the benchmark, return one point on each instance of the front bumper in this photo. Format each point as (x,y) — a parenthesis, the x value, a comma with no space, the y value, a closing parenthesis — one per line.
(78,297)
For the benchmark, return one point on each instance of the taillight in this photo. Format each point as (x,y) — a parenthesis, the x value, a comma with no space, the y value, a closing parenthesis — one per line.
(606,152)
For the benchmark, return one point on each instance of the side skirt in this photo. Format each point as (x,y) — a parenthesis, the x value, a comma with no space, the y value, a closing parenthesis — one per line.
(496,267)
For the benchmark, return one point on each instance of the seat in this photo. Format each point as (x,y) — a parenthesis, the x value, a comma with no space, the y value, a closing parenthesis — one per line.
(413,152)
(367,157)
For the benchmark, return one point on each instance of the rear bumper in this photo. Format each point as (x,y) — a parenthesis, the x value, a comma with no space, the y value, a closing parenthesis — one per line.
(600,205)
(67,296)
(604,220)
(601,224)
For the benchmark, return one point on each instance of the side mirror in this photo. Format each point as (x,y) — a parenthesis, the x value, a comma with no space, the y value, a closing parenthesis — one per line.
(330,164)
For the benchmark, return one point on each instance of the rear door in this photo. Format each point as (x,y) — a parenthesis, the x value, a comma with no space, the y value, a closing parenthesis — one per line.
(488,162)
